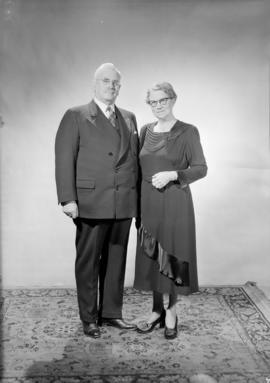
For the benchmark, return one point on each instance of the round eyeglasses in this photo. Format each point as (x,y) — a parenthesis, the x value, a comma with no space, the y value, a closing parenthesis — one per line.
(162,101)
(107,82)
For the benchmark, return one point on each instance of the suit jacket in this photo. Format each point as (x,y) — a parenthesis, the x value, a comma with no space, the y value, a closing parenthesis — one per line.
(94,165)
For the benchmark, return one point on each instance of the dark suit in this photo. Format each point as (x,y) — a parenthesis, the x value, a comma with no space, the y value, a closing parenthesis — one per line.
(96,165)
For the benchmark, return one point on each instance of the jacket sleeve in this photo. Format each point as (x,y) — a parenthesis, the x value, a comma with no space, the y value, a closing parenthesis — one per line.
(197,167)
(138,183)
(66,150)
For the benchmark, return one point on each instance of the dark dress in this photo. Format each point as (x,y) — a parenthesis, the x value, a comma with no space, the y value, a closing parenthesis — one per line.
(166,248)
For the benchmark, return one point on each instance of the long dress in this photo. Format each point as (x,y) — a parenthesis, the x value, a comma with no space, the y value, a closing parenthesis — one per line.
(166,248)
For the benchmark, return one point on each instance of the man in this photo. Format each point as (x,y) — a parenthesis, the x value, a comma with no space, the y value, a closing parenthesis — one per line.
(96,176)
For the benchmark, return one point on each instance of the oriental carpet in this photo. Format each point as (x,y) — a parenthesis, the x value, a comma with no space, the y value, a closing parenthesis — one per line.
(223,332)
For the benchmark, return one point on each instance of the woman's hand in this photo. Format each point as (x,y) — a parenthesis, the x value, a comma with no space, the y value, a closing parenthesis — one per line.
(161,179)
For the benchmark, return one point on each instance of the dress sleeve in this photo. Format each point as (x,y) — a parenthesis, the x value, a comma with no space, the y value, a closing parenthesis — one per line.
(143,131)
(197,167)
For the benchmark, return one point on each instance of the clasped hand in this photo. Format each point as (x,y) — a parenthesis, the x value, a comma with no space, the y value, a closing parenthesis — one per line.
(161,179)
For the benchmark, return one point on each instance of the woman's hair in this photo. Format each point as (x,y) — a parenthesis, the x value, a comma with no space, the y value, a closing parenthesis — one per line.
(166,87)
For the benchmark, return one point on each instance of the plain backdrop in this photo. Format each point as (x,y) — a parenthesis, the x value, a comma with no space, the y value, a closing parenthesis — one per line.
(215,54)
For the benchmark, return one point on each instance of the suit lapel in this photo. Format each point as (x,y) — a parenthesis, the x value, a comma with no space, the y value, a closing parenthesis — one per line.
(92,112)
(125,132)
(123,123)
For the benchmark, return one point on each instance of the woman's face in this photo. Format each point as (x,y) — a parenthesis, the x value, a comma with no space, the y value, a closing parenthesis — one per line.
(161,104)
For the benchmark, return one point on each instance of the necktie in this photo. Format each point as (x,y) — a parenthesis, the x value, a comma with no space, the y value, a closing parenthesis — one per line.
(111,115)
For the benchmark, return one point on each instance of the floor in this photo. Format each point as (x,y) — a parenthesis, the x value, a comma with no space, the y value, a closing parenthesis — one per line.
(265,289)
(224,332)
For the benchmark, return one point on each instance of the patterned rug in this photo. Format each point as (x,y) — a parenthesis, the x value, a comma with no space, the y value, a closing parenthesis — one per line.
(223,333)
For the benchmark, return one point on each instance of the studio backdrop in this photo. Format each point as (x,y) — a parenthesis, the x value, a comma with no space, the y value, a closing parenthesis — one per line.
(215,54)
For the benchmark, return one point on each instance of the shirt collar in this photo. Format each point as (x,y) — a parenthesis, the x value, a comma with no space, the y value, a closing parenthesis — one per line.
(103,106)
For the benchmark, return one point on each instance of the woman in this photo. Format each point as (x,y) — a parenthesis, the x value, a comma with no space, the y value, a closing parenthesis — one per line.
(171,157)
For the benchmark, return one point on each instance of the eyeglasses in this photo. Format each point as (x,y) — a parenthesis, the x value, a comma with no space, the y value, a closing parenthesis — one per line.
(162,101)
(106,81)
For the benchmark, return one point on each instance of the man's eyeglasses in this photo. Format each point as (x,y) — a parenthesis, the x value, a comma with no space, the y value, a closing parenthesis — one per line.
(106,81)
(162,101)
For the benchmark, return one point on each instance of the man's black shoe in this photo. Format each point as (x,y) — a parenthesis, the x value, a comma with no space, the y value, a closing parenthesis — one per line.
(91,329)
(118,323)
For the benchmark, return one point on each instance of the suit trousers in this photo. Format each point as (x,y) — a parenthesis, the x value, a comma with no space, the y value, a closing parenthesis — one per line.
(101,250)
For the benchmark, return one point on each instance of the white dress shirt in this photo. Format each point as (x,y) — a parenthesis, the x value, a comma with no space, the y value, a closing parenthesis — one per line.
(103,107)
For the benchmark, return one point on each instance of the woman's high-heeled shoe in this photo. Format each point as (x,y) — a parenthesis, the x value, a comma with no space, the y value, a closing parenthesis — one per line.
(171,333)
(146,327)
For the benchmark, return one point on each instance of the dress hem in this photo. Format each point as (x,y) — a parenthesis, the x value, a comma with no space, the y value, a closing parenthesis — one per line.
(169,266)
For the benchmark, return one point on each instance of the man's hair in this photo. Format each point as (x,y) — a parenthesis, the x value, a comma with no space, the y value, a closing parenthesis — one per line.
(106,66)
(166,87)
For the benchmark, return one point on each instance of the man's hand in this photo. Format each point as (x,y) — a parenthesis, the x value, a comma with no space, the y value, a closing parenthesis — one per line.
(71,209)
(161,179)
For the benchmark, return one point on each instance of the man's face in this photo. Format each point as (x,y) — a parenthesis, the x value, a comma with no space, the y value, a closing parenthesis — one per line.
(107,86)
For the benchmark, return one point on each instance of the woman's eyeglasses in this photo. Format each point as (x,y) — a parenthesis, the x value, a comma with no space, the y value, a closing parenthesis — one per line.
(162,101)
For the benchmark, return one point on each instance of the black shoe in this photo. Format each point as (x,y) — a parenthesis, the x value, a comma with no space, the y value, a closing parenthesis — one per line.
(118,323)
(171,333)
(146,327)
(91,329)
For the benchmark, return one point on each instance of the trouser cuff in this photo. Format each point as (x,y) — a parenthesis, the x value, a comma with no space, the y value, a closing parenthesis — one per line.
(111,315)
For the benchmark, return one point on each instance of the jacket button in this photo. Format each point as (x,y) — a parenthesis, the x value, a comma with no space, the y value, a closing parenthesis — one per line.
(110,154)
